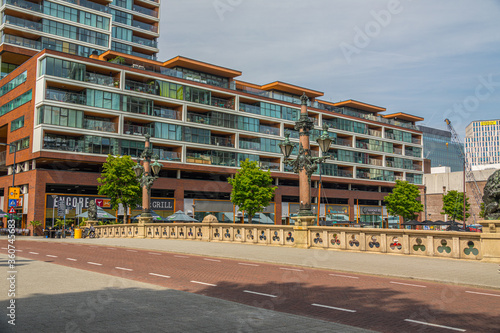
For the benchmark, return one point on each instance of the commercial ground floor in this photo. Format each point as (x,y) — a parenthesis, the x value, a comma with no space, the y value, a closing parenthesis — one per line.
(42,191)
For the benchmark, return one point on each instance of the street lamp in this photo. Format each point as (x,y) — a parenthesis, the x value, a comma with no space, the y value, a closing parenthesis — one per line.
(305,165)
(143,173)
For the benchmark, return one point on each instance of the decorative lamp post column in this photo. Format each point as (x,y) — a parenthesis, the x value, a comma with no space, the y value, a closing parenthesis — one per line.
(145,177)
(305,165)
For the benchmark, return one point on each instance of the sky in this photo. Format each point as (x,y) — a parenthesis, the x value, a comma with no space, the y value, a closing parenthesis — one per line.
(433,59)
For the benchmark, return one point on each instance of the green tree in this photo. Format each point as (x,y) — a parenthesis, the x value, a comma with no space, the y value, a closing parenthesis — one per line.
(453,205)
(481,212)
(403,200)
(252,190)
(119,183)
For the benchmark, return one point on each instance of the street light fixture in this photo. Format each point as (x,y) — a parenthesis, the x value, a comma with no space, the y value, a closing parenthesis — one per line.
(305,165)
(143,173)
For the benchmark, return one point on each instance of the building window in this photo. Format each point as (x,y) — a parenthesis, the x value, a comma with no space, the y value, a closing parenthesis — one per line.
(16,124)
(19,145)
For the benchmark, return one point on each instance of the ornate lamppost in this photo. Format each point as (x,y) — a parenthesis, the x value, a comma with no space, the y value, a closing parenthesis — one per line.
(305,165)
(146,179)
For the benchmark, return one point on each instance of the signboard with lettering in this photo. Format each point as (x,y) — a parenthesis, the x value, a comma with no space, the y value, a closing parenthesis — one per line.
(487,123)
(71,202)
(371,210)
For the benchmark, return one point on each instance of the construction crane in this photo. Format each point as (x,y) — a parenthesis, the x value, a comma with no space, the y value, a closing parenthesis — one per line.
(467,170)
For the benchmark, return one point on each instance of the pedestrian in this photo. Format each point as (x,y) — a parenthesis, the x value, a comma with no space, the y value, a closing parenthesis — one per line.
(72,229)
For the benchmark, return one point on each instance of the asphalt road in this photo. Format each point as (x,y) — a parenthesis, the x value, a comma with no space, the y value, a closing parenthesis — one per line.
(376,303)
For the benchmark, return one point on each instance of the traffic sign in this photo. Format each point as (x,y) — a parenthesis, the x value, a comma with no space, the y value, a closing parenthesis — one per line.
(14,192)
(61,208)
(12,210)
(12,203)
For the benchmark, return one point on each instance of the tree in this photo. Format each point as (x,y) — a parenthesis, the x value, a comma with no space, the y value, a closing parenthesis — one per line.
(252,190)
(453,205)
(403,200)
(119,183)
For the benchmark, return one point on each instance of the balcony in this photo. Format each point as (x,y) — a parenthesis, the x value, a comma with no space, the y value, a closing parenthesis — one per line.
(144,26)
(269,130)
(389,136)
(375,133)
(362,145)
(25,5)
(273,166)
(137,130)
(167,113)
(140,87)
(89,4)
(144,41)
(96,78)
(221,141)
(343,142)
(250,108)
(63,144)
(99,125)
(399,178)
(249,145)
(417,167)
(65,96)
(362,174)
(376,162)
(415,141)
(167,155)
(222,103)
(343,173)
(23,23)
(411,152)
(143,10)
(398,151)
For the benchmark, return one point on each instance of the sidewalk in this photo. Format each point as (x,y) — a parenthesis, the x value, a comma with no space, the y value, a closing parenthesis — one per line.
(444,270)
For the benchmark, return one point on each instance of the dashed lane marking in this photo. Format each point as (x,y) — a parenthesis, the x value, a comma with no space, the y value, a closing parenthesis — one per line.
(207,259)
(94,263)
(111,248)
(435,325)
(34,253)
(475,292)
(132,251)
(50,255)
(19,250)
(245,264)
(163,276)
(157,254)
(292,269)
(346,276)
(71,259)
(204,283)
(181,256)
(256,293)
(333,307)
(124,269)
(408,284)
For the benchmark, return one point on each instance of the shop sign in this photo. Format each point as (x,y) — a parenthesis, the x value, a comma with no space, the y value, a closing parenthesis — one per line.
(487,123)
(330,209)
(72,201)
(371,210)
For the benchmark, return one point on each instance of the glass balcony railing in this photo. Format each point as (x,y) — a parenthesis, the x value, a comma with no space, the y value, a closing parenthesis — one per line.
(90,4)
(269,130)
(24,4)
(104,80)
(22,23)
(143,55)
(376,162)
(249,145)
(399,178)
(362,145)
(221,141)
(249,108)
(374,133)
(222,103)
(273,166)
(99,125)
(398,151)
(143,10)
(63,144)
(137,130)
(363,174)
(21,41)
(343,142)
(343,173)
(167,155)
(144,26)
(167,113)
(140,87)
(64,96)
(144,41)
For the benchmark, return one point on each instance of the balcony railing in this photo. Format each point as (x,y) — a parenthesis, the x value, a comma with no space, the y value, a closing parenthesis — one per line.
(221,141)
(417,167)
(140,87)
(269,130)
(249,145)
(376,162)
(389,164)
(265,165)
(375,133)
(167,113)
(250,108)
(24,4)
(144,41)
(389,135)
(145,26)
(23,23)
(167,155)
(343,173)
(21,41)
(144,10)
(410,152)
(137,130)
(76,144)
(65,96)
(399,178)
(343,142)
(98,125)
(363,175)
(415,141)
(90,4)
(104,80)
(222,103)
(362,145)
(398,151)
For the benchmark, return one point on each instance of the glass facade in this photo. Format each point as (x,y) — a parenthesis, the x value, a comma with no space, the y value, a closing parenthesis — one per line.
(15,103)
(439,148)
(12,84)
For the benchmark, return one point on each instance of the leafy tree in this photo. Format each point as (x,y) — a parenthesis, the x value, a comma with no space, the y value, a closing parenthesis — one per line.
(453,205)
(252,190)
(119,183)
(481,212)
(403,200)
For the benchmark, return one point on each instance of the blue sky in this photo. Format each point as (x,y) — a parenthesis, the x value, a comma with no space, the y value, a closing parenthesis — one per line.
(434,59)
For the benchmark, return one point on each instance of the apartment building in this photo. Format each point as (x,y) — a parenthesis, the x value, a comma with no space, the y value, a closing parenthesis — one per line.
(482,143)
(440,149)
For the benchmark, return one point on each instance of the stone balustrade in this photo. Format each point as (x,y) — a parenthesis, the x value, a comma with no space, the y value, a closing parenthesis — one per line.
(458,245)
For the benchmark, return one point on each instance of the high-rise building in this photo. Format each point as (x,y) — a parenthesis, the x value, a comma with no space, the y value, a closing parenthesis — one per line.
(440,150)
(63,110)
(482,143)
(78,27)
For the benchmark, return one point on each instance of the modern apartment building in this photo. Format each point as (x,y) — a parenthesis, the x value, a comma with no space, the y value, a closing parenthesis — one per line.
(440,150)
(65,111)
(482,143)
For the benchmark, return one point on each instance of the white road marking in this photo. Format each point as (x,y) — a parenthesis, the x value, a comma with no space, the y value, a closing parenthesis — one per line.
(408,284)
(245,264)
(163,276)
(19,250)
(111,248)
(256,293)
(50,255)
(131,250)
(435,325)
(211,259)
(158,254)
(34,253)
(124,269)
(71,259)
(346,276)
(206,284)
(4,248)
(292,269)
(181,256)
(475,292)
(94,263)
(333,307)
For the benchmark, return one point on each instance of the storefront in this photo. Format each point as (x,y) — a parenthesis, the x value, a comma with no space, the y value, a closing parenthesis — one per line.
(226,212)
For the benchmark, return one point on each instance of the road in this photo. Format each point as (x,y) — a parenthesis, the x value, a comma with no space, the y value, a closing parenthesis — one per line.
(371,302)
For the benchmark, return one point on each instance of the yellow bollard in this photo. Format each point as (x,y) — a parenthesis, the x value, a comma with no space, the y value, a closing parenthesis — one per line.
(78,233)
